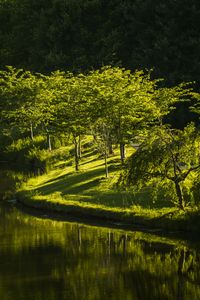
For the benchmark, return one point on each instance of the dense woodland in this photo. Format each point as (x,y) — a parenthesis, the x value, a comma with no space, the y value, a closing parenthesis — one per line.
(81,35)
(77,69)
(78,36)
(44,36)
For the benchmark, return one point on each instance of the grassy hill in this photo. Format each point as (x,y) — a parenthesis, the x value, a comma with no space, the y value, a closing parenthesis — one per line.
(89,193)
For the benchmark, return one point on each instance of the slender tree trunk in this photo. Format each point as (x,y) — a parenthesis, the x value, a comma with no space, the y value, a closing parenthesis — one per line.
(76,156)
(122,152)
(49,141)
(179,195)
(31,131)
(110,147)
(79,147)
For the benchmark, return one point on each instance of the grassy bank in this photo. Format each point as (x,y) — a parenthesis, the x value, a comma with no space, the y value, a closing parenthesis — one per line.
(89,193)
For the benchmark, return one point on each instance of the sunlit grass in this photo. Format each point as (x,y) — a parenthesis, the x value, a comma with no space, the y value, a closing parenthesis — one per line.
(89,192)
(90,184)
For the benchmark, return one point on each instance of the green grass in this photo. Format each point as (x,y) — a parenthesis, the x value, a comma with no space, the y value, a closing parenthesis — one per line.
(89,193)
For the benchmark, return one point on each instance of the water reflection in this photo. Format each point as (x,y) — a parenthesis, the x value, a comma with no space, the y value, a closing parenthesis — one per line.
(51,260)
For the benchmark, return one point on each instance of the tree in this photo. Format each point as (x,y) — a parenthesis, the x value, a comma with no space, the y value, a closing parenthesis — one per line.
(102,137)
(48,101)
(20,94)
(72,114)
(123,102)
(166,155)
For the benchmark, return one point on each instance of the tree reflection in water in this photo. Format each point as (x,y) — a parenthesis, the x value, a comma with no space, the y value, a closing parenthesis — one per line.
(49,260)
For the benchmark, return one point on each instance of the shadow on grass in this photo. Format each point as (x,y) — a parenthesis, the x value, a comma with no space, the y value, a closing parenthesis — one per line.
(110,166)
(89,152)
(90,183)
(63,165)
(116,198)
(87,161)
(74,183)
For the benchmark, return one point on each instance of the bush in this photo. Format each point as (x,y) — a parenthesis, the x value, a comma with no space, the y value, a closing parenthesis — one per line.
(29,155)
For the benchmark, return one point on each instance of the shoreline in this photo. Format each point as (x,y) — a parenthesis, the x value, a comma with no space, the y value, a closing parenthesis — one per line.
(87,194)
(166,224)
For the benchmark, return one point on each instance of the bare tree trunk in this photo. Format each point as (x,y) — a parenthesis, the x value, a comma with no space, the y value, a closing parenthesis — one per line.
(79,147)
(76,156)
(179,195)
(122,152)
(110,147)
(49,141)
(31,131)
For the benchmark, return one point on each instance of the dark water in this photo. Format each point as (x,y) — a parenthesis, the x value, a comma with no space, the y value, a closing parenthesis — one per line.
(43,259)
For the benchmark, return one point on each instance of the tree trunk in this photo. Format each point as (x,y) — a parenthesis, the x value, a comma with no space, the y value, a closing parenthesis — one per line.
(110,147)
(122,152)
(31,131)
(49,141)
(79,147)
(179,195)
(76,156)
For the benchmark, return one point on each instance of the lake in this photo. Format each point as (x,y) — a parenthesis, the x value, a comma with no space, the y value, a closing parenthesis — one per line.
(47,259)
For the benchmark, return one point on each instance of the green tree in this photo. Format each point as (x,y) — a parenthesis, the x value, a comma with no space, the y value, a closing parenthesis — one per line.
(72,115)
(123,102)
(102,137)
(168,156)
(20,95)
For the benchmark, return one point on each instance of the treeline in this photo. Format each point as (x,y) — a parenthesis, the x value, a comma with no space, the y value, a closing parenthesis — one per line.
(80,35)
(111,102)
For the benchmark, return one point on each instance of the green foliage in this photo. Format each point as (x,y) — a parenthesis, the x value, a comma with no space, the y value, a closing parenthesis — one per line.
(118,106)
(81,35)
(196,190)
(29,155)
(168,155)
(26,144)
